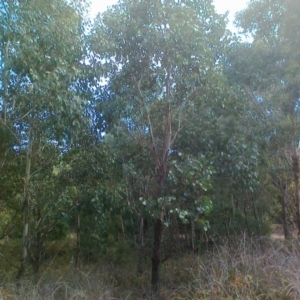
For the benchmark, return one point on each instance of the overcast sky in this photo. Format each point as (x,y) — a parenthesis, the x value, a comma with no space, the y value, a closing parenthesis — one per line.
(221,5)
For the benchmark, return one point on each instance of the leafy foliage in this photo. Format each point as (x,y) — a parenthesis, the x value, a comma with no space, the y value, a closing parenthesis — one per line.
(153,125)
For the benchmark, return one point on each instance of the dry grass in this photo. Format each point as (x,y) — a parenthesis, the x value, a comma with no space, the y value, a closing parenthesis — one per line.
(248,269)
(57,287)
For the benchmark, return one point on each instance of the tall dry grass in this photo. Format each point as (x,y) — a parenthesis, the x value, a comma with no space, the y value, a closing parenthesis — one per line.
(57,287)
(243,269)
(246,269)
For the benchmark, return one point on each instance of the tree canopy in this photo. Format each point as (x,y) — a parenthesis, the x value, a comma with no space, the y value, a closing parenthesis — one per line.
(149,123)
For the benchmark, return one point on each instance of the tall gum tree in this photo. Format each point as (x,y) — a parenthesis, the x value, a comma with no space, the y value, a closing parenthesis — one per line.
(158,57)
(268,69)
(42,50)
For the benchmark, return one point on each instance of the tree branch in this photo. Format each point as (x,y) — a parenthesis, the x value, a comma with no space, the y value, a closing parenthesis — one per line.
(5,258)
(137,84)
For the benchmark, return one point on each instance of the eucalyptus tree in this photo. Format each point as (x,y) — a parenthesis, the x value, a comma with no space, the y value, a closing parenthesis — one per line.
(91,178)
(42,53)
(161,58)
(226,132)
(10,184)
(268,69)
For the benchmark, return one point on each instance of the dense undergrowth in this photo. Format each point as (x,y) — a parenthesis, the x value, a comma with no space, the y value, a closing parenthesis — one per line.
(244,269)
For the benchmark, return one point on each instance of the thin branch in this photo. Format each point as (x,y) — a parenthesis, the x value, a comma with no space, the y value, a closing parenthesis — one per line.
(175,135)
(137,84)
(4,160)
(25,115)
(254,101)
(168,134)
(6,232)
(168,128)
(5,258)
(179,127)
(14,135)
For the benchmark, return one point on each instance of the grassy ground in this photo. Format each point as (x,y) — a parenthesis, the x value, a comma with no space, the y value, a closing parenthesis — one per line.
(245,269)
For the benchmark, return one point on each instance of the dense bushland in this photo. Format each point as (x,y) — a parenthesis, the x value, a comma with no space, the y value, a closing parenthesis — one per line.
(134,145)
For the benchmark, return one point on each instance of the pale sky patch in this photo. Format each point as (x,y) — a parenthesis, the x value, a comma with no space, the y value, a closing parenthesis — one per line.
(232,6)
(222,6)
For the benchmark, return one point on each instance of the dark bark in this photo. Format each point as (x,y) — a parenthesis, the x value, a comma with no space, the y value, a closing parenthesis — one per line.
(141,250)
(38,251)
(25,238)
(77,242)
(193,236)
(161,164)
(258,231)
(141,233)
(158,230)
(283,213)
(295,161)
(245,213)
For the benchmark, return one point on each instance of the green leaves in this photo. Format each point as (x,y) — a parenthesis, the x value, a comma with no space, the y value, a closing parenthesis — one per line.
(267,69)
(165,91)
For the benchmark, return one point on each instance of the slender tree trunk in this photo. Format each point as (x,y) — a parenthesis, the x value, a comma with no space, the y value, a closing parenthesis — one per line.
(245,212)
(283,213)
(123,229)
(193,236)
(295,161)
(141,250)
(5,79)
(161,163)
(37,254)
(77,242)
(38,243)
(142,232)
(26,206)
(186,237)
(158,231)
(257,221)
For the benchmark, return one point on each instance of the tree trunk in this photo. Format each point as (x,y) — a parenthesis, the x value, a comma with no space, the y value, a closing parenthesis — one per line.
(38,243)
(77,242)
(283,213)
(257,221)
(123,229)
(295,161)
(158,230)
(5,80)
(161,164)
(26,206)
(141,250)
(193,236)
(141,233)
(37,253)
(245,213)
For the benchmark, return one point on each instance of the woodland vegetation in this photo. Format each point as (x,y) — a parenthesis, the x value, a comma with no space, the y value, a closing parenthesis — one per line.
(147,153)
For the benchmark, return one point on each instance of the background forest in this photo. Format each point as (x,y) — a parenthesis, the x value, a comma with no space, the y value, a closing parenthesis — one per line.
(146,154)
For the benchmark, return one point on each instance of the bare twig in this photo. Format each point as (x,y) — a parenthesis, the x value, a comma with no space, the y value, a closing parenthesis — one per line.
(5,258)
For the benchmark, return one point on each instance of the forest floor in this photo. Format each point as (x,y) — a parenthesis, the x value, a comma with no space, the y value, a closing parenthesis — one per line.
(262,268)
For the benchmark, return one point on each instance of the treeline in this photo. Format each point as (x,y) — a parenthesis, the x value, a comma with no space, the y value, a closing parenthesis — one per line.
(151,129)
